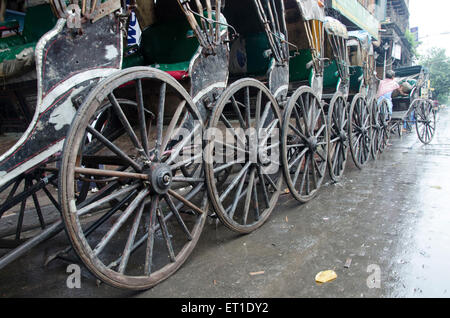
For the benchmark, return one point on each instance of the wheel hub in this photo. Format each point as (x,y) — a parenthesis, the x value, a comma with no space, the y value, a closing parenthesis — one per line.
(343,135)
(160,178)
(364,131)
(312,143)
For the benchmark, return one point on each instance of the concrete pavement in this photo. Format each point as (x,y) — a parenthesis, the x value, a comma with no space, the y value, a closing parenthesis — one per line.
(391,219)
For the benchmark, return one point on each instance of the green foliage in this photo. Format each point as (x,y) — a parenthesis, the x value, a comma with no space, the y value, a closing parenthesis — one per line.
(413,43)
(438,63)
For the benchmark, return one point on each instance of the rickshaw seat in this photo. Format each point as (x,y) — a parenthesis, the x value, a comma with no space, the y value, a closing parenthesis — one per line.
(11,25)
(38,21)
(297,66)
(331,75)
(169,46)
(356,75)
(255,45)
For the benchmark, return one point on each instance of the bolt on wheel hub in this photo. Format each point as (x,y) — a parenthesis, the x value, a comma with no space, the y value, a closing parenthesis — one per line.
(160,178)
(343,135)
(312,143)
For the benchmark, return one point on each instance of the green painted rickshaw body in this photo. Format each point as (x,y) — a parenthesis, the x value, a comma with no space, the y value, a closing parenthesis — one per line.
(38,21)
(298,70)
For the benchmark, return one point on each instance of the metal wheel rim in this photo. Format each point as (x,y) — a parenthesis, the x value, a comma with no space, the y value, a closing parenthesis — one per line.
(359,119)
(248,172)
(425,121)
(300,148)
(338,123)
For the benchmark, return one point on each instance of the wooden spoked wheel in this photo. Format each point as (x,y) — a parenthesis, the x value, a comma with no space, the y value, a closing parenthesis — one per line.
(384,122)
(27,202)
(360,131)
(338,135)
(304,144)
(140,227)
(425,120)
(376,128)
(243,137)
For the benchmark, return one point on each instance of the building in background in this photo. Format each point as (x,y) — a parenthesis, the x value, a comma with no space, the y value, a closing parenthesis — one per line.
(386,20)
(359,14)
(394,42)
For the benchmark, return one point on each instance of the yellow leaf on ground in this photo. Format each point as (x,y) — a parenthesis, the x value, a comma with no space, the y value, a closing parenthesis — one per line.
(326,276)
(437,187)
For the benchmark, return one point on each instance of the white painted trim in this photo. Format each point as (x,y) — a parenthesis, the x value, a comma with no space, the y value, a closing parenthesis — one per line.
(30,164)
(206,90)
(281,89)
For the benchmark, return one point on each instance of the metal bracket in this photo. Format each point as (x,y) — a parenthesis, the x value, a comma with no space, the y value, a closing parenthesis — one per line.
(105,9)
(73,15)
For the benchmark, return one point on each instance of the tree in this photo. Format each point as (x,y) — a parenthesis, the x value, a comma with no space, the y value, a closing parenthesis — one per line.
(438,63)
(412,43)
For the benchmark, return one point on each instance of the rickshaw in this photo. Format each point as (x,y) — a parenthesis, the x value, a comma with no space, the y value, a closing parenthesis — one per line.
(336,89)
(18,39)
(416,108)
(361,96)
(123,137)
(305,132)
(65,72)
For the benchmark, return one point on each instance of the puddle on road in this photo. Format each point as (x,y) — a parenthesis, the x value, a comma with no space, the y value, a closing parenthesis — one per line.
(423,265)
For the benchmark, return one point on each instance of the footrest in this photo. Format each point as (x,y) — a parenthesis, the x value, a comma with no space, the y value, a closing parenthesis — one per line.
(178,71)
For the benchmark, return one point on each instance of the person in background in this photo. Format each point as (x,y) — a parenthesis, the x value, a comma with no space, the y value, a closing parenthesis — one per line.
(386,88)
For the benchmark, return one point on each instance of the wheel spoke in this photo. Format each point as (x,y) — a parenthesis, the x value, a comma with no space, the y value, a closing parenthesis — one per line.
(113,148)
(231,129)
(336,155)
(141,114)
(238,112)
(247,106)
(126,124)
(268,132)
(237,196)
(313,172)
(234,182)
(151,236)
(300,156)
(297,171)
(267,108)
(186,162)
(256,203)
(258,111)
(181,145)
(173,122)
(160,124)
(320,131)
(120,221)
(166,235)
(248,195)
(37,207)
(174,209)
(186,201)
(131,238)
(305,120)
(263,186)
(297,132)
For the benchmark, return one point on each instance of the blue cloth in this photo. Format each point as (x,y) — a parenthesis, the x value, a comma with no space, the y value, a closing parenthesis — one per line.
(388,97)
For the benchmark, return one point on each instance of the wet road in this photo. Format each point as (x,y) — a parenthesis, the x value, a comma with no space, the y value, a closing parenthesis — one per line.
(392,220)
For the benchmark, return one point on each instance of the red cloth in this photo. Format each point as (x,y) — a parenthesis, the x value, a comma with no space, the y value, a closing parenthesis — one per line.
(178,75)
